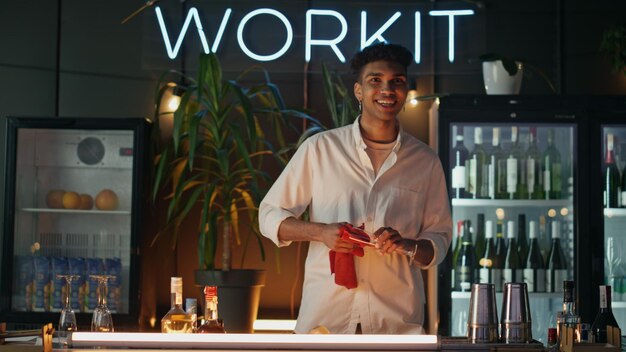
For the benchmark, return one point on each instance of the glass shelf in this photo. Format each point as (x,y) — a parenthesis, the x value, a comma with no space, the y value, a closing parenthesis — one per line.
(618,304)
(614,212)
(76,211)
(554,203)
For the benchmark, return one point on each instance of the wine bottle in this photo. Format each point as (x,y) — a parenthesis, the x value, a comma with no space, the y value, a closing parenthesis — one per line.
(534,273)
(512,166)
(211,322)
(612,187)
(457,249)
(623,198)
(476,164)
(552,345)
(522,241)
(497,168)
(176,320)
(604,317)
(513,271)
(568,317)
(466,262)
(556,266)
(552,182)
(534,177)
(460,154)
(488,264)
(480,235)
(500,256)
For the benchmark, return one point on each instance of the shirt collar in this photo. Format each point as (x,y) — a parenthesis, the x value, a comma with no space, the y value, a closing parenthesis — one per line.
(358,137)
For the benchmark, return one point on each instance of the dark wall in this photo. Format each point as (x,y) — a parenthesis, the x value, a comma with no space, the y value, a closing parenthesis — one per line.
(74,58)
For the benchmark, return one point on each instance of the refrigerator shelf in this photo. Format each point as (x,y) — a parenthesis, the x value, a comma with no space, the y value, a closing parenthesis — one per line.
(614,212)
(555,203)
(557,295)
(76,211)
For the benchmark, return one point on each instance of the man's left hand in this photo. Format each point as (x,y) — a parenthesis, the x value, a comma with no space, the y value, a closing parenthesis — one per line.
(387,240)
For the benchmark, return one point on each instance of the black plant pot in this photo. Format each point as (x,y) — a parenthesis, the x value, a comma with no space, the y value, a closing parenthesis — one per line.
(239,292)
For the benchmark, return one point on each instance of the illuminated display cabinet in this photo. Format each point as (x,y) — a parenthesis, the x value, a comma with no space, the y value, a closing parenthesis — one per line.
(563,200)
(72,206)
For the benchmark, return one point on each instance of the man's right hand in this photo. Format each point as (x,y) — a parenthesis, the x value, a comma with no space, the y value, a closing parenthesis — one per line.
(292,229)
(330,235)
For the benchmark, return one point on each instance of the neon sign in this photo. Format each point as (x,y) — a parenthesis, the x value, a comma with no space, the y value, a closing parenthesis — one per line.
(310,42)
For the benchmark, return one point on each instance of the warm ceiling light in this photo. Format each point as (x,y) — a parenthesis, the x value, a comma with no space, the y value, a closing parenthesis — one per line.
(412,96)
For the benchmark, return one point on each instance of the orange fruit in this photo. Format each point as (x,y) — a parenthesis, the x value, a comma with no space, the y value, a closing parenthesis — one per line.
(106,200)
(86,201)
(54,198)
(71,200)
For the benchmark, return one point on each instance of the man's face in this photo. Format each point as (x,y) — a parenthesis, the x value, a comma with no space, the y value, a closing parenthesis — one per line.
(382,90)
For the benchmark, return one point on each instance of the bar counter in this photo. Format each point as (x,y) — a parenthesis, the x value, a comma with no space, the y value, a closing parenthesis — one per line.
(284,342)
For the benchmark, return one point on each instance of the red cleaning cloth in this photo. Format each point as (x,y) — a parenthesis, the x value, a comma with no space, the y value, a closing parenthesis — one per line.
(342,264)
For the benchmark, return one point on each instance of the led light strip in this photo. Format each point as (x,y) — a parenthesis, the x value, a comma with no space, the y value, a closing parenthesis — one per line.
(254,341)
(274,325)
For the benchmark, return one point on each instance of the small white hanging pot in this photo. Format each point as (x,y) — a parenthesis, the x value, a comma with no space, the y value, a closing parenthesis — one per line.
(499,81)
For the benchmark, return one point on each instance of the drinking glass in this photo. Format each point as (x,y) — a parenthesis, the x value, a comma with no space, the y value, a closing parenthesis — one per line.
(67,321)
(102,321)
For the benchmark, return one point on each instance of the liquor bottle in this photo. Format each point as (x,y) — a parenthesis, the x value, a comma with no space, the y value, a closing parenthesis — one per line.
(552,183)
(466,262)
(534,177)
(568,317)
(513,158)
(513,271)
(460,154)
(211,322)
(556,265)
(476,164)
(480,235)
(488,272)
(604,317)
(612,187)
(534,273)
(522,241)
(191,307)
(457,248)
(500,256)
(497,168)
(176,320)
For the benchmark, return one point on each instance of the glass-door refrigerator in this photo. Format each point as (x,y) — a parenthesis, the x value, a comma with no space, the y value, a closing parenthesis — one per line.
(608,184)
(512,168)
(72,206)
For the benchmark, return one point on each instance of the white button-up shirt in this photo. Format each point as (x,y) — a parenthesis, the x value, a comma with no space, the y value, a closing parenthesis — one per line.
(332,175)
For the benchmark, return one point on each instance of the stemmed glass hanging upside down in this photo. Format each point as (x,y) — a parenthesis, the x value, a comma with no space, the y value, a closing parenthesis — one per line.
(102,321)
(67,321)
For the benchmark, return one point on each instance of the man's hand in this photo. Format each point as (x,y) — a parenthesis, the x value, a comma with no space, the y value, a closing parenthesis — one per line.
(387,240)
(330,235)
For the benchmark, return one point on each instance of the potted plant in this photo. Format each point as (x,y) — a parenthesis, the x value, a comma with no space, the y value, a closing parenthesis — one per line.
(214,163)
(503,75)
(614,45)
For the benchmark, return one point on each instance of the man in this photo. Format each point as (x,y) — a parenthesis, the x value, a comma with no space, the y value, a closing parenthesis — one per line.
(370,173)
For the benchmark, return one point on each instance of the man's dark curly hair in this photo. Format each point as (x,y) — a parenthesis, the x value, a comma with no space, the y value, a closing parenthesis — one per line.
(380,52)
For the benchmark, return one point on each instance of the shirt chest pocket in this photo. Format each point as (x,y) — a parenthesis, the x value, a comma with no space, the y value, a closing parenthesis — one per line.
(403,209)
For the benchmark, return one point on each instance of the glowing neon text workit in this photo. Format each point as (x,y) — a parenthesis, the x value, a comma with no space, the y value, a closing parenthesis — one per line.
(310,42)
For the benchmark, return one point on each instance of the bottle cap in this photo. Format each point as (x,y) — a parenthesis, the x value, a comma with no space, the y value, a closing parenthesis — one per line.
(210,292)
(556,229)
(496,136)
(532,229)
(488,229)
(510,229)
(478,135)
(176,281)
